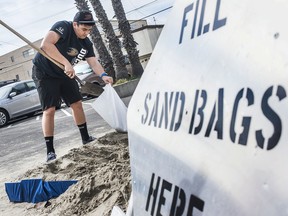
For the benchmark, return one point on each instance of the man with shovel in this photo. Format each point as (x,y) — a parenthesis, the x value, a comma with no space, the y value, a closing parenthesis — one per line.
(66,43)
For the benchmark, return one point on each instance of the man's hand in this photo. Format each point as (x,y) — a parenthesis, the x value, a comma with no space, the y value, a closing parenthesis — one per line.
(69,71)
(97,67)
(107,79)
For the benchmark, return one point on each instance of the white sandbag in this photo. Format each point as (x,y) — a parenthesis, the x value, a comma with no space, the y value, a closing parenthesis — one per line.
(116,211)
(112,109)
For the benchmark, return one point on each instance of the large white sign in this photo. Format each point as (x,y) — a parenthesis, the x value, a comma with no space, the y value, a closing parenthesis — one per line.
(208,122)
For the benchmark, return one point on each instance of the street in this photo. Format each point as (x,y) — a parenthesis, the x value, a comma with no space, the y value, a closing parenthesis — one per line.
(23,147)
(22,143)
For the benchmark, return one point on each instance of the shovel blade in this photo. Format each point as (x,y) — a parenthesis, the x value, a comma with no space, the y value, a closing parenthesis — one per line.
(91,89)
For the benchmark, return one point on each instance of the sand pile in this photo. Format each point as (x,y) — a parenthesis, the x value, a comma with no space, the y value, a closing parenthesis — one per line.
(102,169)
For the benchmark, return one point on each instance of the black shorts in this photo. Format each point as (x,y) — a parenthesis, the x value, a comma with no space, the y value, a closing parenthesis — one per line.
(52,90)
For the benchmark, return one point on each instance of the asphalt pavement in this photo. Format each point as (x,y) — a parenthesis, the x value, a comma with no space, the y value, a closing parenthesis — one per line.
(22,144)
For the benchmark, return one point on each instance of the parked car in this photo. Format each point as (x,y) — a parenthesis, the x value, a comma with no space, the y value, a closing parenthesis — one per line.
(6,82)
(18,99)
(85,73)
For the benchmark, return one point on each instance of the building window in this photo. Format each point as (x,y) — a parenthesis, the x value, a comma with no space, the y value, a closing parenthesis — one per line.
(28,53)
(12,59)
(29,73)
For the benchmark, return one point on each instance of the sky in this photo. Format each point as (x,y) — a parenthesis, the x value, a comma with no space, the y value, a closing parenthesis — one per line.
(33,19)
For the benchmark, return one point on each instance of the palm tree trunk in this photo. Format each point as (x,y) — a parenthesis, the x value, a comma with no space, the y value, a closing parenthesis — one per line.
(104,57)
(128,40)
(114,43)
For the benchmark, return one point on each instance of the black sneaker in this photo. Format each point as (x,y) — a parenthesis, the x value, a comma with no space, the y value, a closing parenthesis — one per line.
(51,156)
(91,138)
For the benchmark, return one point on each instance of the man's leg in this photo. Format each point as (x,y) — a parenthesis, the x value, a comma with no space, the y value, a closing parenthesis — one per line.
(48,131)
(78,113)
(49,94)
(48,122)
(80,120)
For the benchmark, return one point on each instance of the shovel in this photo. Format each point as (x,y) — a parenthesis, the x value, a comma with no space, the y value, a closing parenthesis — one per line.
(86,87)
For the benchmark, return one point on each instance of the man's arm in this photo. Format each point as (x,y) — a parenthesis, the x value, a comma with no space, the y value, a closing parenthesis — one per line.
(48,46)
(98,69)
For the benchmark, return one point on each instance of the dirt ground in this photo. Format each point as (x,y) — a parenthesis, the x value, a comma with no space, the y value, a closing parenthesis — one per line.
(102,169)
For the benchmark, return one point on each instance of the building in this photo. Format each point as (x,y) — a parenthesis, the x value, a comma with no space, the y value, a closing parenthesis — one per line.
(18,63)
(146,37)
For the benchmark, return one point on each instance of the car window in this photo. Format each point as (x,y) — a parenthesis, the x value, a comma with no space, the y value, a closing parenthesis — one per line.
(31,85)
(19,89)
(4,91)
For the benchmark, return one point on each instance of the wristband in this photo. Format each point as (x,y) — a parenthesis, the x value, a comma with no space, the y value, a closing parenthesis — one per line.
(103,74)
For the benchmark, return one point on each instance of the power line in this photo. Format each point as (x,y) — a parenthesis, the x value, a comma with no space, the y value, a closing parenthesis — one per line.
(47,17)
(152,14)
(39,20)
(44,18)
(142,6)
(148,16)
(23,8)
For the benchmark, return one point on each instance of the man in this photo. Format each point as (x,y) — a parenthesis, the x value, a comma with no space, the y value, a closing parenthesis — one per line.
(68,44)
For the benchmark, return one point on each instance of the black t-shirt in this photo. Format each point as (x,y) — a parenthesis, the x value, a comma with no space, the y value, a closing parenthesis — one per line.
(69,45)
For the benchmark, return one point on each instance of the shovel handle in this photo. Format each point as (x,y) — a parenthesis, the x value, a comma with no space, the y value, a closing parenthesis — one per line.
(31,44)
(79,80)
(39,50)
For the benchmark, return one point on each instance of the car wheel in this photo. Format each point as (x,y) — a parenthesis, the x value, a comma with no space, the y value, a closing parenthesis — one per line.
(4,117)
(59,105)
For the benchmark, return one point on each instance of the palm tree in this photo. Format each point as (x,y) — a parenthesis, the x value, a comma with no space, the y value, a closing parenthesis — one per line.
(104,57)
(114,42)
(128,40)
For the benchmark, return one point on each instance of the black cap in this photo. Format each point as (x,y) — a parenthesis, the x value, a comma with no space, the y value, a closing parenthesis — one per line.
(84,17)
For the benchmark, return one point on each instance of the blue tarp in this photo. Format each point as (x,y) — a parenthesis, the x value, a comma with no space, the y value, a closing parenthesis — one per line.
(36,190)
